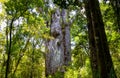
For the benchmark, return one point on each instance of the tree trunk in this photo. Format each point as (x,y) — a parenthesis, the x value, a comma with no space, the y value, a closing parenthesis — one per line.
(55,52)
(105,65)
(9,46)
(58,53)
(66,38)
(92,46)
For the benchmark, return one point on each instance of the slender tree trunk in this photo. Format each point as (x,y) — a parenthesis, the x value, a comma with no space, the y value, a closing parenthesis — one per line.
(22,51)
(9,50)
(32,60)
(105,65)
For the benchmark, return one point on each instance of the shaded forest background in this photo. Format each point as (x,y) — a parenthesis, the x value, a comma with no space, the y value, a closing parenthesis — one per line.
(59,39)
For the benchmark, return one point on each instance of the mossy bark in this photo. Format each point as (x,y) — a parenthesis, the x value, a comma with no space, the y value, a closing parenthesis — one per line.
(55,52)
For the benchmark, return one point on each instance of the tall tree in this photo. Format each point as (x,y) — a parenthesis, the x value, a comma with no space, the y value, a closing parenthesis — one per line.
(55,53)
(9,50)
(14,11)
(105,65)
(60,45)
(60,31)
(92,45)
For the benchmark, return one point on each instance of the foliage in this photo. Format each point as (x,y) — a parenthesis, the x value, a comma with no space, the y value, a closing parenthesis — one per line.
(31,27)
(112,34)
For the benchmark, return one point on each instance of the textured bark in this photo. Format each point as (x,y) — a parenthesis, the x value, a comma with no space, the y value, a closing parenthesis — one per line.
(58,49)
(66,38)
(55,53)
(92,46)
(105,65)
(67,46)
